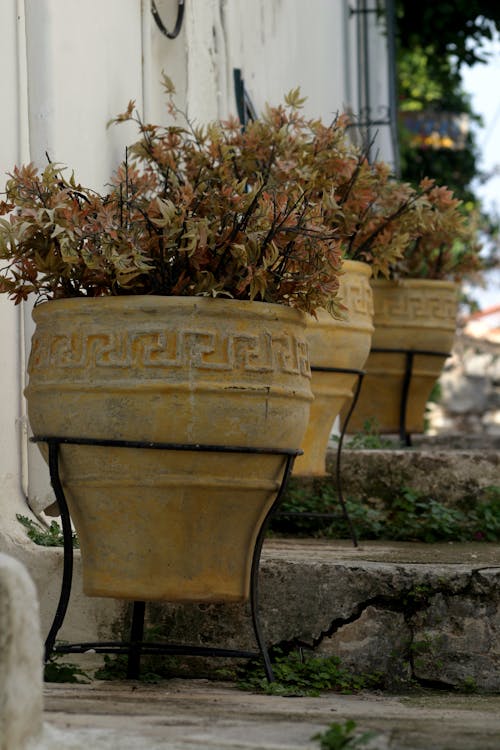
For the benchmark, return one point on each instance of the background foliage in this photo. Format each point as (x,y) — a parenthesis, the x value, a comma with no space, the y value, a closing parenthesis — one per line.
(434,39)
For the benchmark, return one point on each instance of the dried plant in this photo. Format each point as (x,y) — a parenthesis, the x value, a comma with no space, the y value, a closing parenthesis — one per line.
(398,229)
(179,218)
(266,212)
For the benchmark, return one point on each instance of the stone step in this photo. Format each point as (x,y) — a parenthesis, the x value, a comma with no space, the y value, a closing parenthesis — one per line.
(449,476)
(196,714)
(411,612)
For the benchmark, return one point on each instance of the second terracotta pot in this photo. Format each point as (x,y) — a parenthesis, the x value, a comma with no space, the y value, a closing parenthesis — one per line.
(341,344)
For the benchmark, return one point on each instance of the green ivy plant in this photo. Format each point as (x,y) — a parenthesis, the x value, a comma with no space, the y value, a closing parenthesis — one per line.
(300,673)
(406,516)
(57,671)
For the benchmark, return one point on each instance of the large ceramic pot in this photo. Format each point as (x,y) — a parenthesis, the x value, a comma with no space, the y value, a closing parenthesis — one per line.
(341,344)
(411,314)
(155,524)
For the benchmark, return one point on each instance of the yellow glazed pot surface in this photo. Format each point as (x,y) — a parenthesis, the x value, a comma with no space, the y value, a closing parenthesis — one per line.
(156,524)
(336,343)
(409,314)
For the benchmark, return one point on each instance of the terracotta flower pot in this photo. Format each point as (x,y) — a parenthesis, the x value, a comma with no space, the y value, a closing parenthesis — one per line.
(336,343)
(411,314)
(156,524)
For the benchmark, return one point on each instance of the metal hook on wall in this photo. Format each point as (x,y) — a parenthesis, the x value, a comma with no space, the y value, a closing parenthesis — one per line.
(161,25)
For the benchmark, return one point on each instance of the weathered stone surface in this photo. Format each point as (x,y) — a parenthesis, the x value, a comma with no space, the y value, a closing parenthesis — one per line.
(481,364)
(378,641)
(20,658)
(462,441)
(471,394)
(447,476)
(329,595)
(202,715)
(395,616)
(456,642)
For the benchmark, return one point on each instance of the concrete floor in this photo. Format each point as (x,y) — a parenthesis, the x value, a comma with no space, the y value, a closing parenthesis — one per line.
(196,714)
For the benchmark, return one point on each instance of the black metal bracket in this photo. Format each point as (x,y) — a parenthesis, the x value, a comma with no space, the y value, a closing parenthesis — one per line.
(404,435)
(244,104)
(364,10)
(178,22)
(135,647)
(338,472)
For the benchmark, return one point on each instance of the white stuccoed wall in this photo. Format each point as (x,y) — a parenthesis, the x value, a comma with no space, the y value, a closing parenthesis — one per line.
(283,44)
(13,148)
(68,66)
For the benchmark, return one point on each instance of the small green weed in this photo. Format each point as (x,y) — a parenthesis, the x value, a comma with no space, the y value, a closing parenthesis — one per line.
(153,668)
(469,685)
(322,498)
(484,516)
(152,671)
(342,737)
(56,671)
(418,596)
(114,668)
(428,650)
(416,516)
(299,674)
(46,536)
(407,516)
(369,438)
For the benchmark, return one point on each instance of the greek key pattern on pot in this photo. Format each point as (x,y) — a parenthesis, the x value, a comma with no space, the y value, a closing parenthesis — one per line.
(167,349)
(417,305)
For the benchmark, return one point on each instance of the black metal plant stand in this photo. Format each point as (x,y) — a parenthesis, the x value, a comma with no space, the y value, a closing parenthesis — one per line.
(404,435)
(135,647)
(410,354)
(338,473)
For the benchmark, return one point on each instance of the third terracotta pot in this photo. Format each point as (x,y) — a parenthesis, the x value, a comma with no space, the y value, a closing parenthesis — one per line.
(411,315)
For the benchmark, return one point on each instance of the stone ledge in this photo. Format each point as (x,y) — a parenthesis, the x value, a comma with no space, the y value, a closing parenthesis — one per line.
(449,476)
(432,618)
(425,613)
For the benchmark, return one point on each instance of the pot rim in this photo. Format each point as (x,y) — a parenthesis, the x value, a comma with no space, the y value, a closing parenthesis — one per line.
(357,266)
(151,303)
(402,283)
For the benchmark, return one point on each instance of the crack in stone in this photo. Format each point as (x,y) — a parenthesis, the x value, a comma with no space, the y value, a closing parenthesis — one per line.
(409,602)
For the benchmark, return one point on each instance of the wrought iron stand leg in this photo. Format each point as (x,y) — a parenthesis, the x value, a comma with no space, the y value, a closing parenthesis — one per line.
(136,638)
(338,473)
(254,576)
(254,605)
(404,436)
(137,628)
(68,549)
